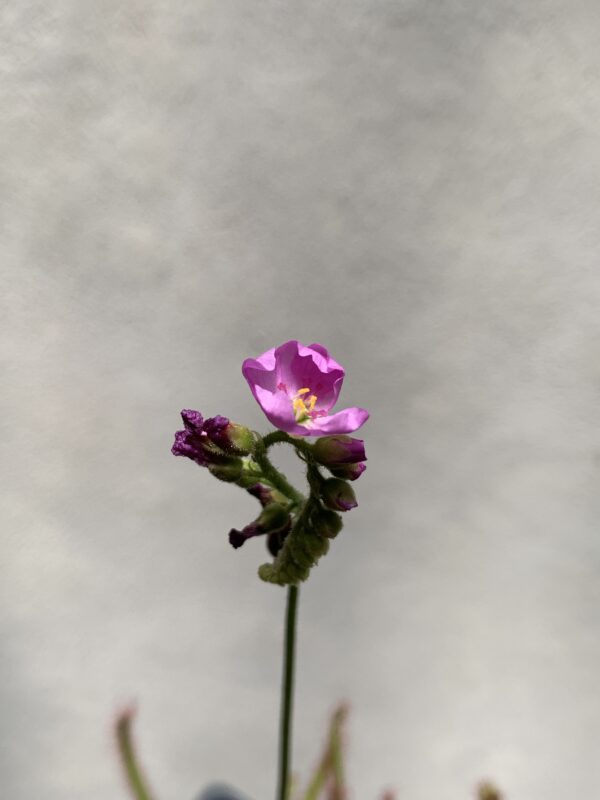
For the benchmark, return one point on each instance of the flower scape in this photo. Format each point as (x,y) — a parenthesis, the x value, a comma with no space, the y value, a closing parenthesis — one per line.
(296,386)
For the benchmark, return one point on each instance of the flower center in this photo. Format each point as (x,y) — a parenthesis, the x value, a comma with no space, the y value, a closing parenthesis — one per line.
(304,407)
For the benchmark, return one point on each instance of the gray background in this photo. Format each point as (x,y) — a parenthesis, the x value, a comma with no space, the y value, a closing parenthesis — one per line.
(414,184)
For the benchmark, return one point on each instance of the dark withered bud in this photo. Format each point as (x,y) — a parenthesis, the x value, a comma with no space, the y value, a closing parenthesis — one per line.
(274,518)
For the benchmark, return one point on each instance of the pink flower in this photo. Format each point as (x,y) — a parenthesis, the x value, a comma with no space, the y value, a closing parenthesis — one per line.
(297,385)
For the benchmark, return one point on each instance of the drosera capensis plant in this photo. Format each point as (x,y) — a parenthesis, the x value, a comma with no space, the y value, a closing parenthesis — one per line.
(297,387)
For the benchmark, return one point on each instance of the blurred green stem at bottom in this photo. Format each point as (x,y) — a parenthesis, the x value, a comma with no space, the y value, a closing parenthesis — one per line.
(133,773)
(330,769)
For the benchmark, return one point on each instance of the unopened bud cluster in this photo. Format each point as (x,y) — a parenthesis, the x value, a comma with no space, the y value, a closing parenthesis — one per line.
(298,529)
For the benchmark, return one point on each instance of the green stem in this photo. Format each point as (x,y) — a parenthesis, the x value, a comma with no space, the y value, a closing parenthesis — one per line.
(276,437)
(279,437)
(275,478)
(135,778)
(287,692)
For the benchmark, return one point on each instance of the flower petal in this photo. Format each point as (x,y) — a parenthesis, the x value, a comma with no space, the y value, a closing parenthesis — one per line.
(345,421)
(285,355)
(320,349)
(261,371)
(278,409)
(328,362)
(299,367)
(325,384)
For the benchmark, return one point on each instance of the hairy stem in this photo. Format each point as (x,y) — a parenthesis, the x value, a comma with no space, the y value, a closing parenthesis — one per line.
(278,437)
(275,478)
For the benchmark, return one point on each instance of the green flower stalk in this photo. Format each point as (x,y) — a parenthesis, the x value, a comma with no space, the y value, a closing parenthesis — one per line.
(296,387)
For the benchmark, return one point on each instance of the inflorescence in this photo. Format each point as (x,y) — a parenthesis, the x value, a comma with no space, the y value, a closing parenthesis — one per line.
(296,386)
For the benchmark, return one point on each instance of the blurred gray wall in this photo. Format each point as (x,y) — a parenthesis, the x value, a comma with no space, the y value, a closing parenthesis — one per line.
(414,184)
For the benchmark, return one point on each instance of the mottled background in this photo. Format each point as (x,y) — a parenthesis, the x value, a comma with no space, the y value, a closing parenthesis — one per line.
(415,184)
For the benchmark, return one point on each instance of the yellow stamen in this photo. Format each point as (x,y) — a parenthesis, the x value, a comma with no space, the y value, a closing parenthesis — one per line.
(303,409)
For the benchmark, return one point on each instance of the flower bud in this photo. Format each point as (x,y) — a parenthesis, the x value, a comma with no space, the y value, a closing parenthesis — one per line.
(265,494)
(290,573)
(349,472)
(273,517)
(229,436)
(327,523)
(211,442)
(309,547)
(334,450)
(338,495)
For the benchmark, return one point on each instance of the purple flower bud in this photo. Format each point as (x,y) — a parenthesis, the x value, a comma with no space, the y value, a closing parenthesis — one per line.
(349,472)
(334,450)
(194,442)
(193,420)
(229,436)
(264,494)
(189,444)
(338,495)
(214,428)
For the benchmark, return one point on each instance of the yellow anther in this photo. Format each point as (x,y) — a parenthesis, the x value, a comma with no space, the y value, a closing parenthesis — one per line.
(303,409)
